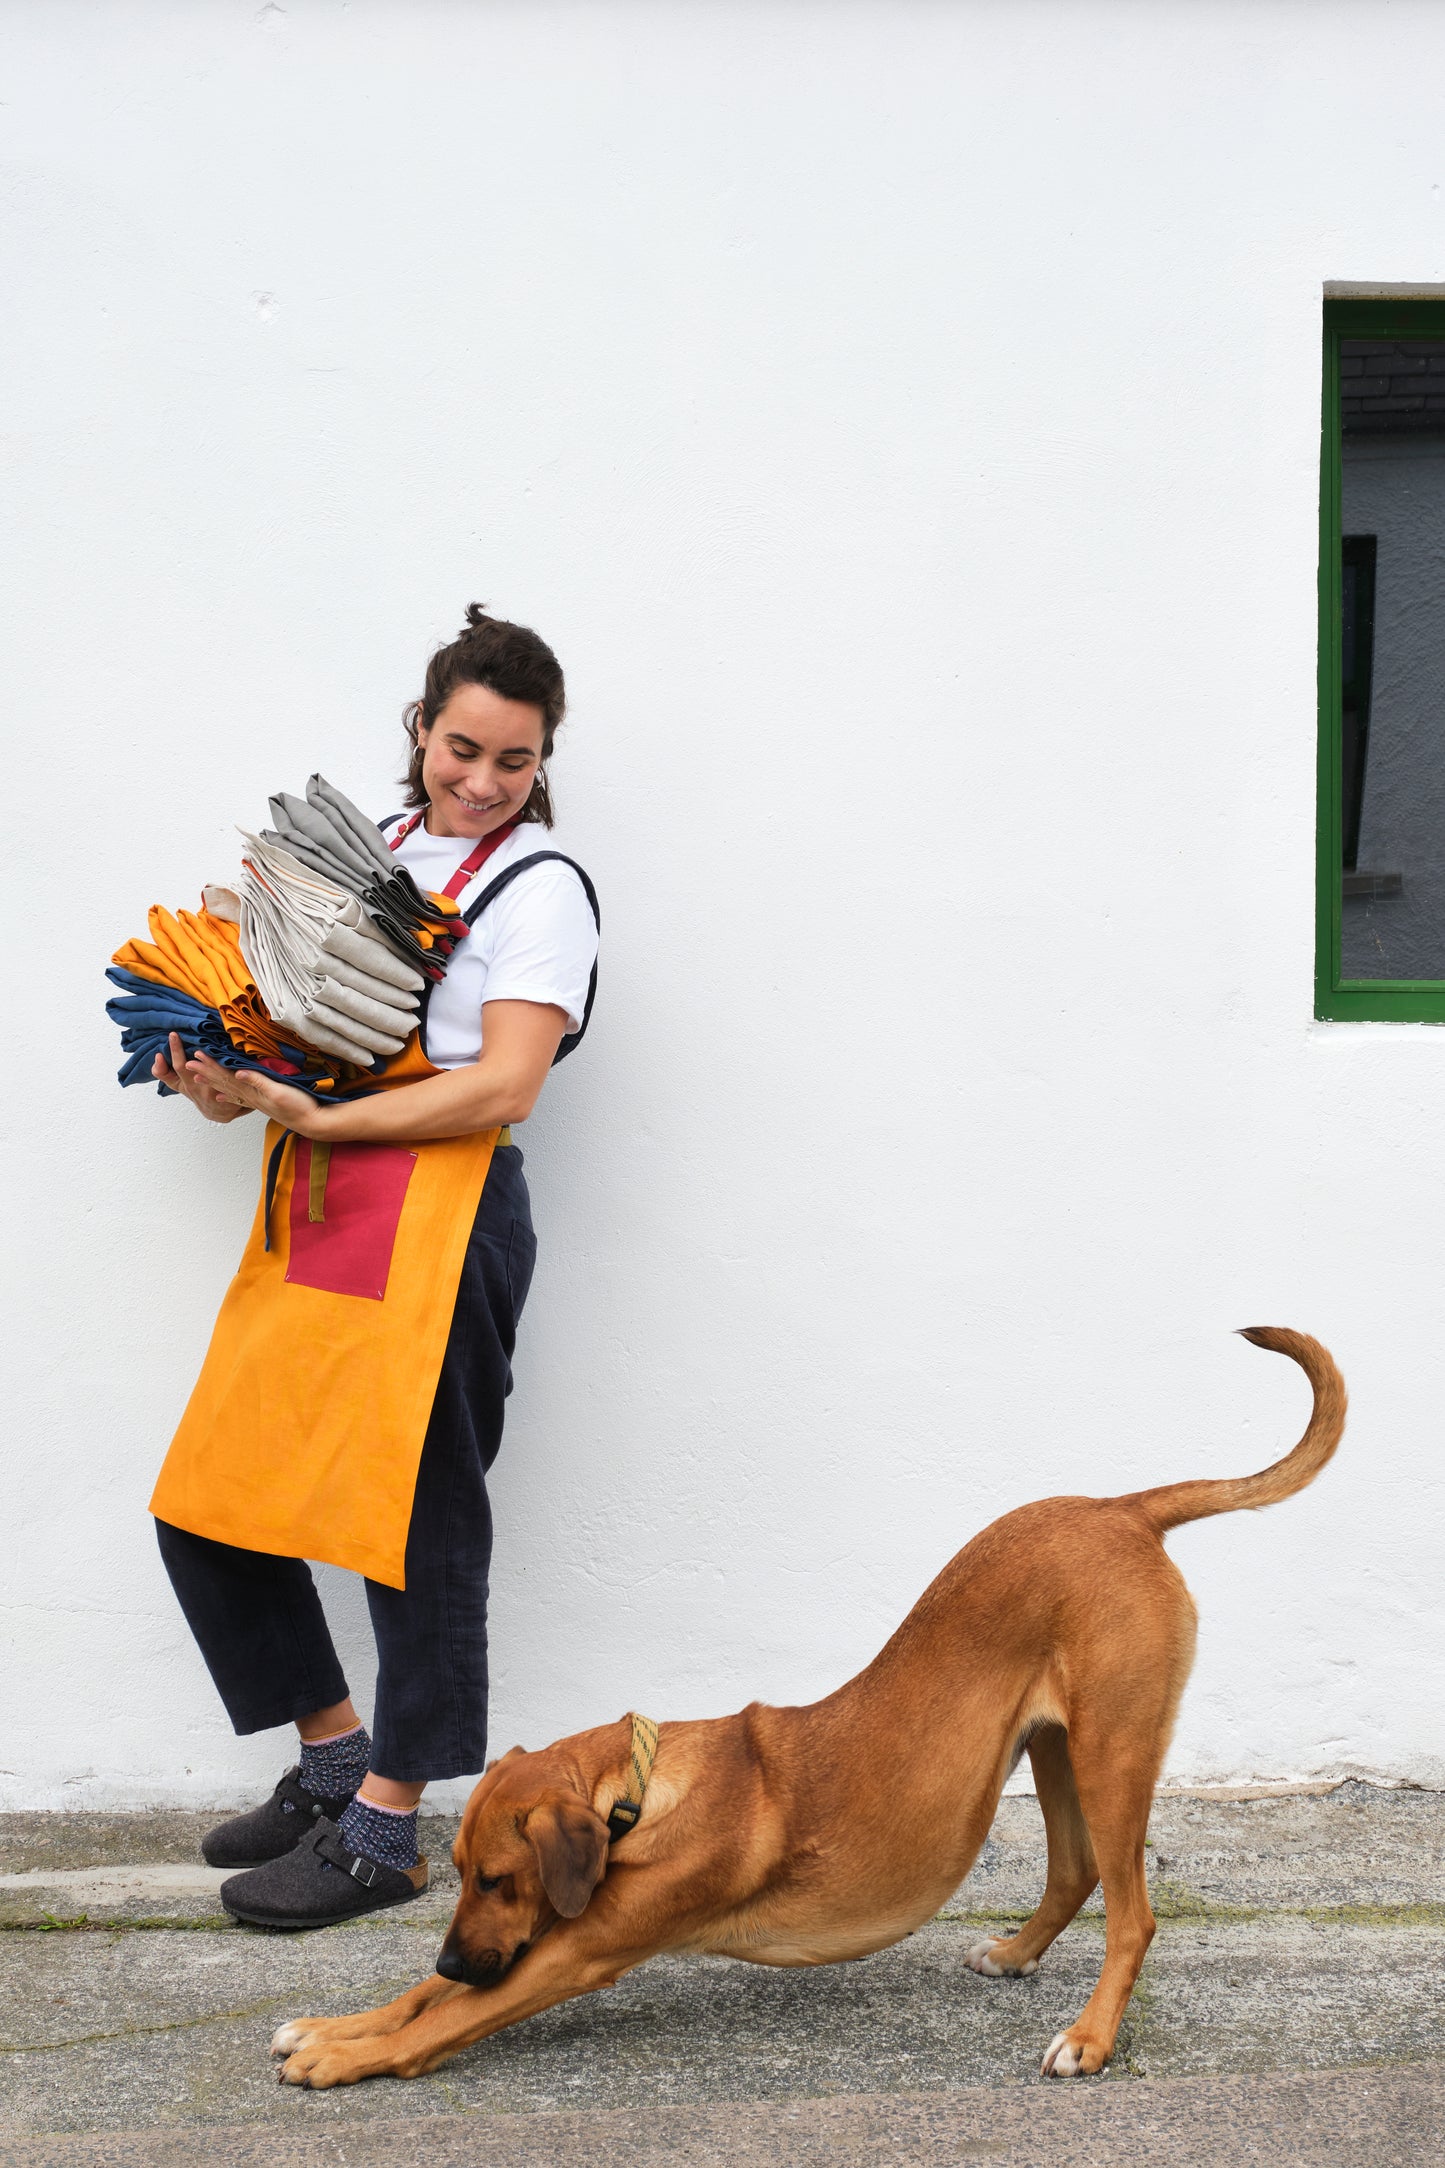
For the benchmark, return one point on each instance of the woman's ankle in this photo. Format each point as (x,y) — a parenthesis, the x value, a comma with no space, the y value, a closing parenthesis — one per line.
(324,1725)
(333,1767)
(390,1793)
(385,1834)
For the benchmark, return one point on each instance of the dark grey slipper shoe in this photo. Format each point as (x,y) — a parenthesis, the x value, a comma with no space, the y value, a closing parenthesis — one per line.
(321,1882)
(272,1830)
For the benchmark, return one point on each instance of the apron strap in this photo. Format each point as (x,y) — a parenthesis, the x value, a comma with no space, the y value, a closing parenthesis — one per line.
(320,1168)
(316,1194)
(273,1175)
(504,880)
(472,864)
(467,871)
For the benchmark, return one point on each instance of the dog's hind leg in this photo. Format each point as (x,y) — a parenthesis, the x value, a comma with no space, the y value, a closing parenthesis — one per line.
(1072,1869)
(1115,1779)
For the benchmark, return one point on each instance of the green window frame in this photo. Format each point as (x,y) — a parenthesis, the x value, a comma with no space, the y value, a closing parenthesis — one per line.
(1399,1001)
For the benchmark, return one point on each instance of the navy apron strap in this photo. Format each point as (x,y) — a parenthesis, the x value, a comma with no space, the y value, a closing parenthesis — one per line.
(273,1175)
(494,889)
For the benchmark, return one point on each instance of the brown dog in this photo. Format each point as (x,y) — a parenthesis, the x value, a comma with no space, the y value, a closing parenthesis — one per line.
(805,1836)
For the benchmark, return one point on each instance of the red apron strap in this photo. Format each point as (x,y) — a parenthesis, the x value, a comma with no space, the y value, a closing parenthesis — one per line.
(473,863)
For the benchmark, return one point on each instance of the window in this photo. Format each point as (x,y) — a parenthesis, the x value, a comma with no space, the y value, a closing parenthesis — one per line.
(1381,872)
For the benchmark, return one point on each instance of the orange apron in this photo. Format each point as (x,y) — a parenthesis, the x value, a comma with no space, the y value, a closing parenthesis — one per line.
(304,1432)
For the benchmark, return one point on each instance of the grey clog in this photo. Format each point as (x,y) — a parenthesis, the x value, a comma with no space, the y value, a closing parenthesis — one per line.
(273,1829)
(318,1884)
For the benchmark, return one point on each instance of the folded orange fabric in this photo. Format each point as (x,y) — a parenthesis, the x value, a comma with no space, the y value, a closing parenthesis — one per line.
(190,950)
(198,954)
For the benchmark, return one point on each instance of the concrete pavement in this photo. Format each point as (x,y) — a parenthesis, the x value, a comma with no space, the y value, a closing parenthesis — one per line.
(1388,2118)
(1295,1997)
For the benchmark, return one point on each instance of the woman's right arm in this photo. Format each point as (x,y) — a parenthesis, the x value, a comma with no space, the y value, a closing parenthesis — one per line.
(213,1104)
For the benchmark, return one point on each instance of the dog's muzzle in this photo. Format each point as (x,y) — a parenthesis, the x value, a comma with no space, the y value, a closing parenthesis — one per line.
(483,1971)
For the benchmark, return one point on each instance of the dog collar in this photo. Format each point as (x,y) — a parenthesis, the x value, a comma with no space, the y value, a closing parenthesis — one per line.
(626,1810)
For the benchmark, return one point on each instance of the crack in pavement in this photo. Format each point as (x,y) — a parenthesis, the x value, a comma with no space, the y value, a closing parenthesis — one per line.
(1176,1903)
(179,2024)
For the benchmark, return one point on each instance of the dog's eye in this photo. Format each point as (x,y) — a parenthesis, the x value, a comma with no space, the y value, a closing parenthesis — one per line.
(489,1881)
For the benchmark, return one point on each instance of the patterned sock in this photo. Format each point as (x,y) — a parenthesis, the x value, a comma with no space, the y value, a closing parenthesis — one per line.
(384,1834)
(333,1768)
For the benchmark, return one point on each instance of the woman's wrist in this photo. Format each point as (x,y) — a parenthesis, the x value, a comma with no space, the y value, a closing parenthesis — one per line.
(334,1121)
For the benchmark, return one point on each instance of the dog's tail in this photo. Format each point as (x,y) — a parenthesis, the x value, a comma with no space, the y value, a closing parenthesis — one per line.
(1176,1503)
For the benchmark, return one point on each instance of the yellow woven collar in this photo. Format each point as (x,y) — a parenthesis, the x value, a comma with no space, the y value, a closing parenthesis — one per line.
(625,1811)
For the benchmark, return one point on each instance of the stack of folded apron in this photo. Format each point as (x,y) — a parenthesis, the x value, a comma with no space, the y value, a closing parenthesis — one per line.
(312,967)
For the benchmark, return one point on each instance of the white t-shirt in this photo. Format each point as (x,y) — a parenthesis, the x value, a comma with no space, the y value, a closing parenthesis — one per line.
(537,942)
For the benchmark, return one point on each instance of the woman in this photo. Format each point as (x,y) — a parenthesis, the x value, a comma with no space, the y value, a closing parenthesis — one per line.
(352,1399)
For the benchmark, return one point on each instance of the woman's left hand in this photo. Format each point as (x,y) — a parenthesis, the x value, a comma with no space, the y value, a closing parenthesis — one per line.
(295,1110)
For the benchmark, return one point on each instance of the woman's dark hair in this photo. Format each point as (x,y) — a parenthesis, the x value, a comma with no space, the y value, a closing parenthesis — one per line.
(507,659)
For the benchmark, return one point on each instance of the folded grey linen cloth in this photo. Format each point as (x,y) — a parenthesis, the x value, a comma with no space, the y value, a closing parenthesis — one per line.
(325,973)
(326,832)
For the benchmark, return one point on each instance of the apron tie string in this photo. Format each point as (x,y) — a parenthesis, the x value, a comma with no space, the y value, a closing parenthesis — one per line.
(273,1175)
(320,1165)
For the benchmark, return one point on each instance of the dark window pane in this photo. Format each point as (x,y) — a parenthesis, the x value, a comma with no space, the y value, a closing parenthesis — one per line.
(1349,603)
(1392,662)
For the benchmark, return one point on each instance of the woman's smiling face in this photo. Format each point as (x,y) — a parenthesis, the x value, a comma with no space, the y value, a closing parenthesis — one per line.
(478,761)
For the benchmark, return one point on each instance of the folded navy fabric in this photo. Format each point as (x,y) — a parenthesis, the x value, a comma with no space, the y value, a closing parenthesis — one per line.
(147,1014)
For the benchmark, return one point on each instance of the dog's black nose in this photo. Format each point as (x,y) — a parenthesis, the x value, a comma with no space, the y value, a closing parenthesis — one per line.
(449,1965)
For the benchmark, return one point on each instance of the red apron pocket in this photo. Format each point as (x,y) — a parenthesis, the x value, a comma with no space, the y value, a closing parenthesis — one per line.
(346,1202)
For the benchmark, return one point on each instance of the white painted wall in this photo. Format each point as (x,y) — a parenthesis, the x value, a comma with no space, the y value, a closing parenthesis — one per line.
(886,410)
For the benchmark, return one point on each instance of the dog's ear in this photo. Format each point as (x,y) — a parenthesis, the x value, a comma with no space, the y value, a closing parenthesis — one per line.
(570,1842)
(498,1759)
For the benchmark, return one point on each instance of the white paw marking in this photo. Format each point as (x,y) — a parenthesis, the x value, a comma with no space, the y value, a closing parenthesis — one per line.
(1061,2060)
(982,1959)
(288,2037)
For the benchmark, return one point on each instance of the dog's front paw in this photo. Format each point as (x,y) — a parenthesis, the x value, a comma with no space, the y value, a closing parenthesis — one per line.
(288,2037)
(1071,2055)
(317,2067)
(991,1959)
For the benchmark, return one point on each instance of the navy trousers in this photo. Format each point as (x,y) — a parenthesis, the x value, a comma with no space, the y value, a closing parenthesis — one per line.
(257,1619)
